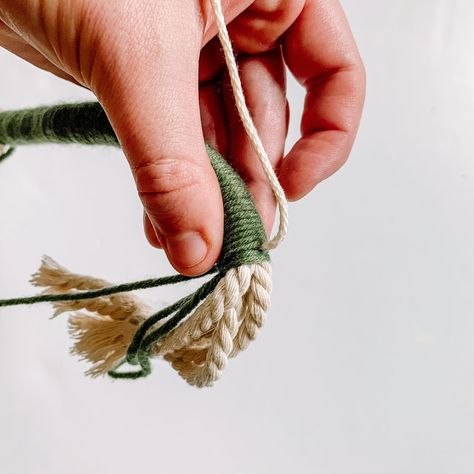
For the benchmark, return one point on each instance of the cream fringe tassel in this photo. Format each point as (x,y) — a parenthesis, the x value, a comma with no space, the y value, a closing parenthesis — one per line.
(198,349)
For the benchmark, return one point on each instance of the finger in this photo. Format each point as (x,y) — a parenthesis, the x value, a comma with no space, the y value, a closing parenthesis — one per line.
(263,80)
(320,51)
(254,26)
(259,28)
(231,10)
(150,233)
(213,118)
(152,98)
(212,62)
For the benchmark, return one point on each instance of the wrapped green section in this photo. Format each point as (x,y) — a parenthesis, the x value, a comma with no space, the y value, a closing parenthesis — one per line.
(84,123)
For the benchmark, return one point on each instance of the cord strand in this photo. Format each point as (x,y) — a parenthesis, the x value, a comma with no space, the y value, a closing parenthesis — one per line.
(249,126)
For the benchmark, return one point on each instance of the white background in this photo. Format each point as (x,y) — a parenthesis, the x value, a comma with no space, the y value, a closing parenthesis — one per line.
(366,365)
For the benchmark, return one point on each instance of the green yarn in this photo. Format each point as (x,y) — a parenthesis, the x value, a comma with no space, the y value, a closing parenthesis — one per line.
(244,234)
(139,350)
(85,123)
(6,154)
(88,295)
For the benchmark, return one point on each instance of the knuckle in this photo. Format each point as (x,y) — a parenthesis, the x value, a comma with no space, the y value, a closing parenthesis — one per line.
(279,15)
(162,183)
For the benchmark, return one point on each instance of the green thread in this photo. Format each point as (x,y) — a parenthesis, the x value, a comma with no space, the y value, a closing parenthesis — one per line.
(91,294)
(139,350)
(7,153)
(188,305)
(244,234)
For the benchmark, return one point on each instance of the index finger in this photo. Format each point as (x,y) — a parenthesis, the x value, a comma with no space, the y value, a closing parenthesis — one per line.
(320,51)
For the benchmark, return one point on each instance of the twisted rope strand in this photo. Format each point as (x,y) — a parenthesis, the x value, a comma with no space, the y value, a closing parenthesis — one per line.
(221,344)
(255,306)
(236,284)
(200,347)
(58,279)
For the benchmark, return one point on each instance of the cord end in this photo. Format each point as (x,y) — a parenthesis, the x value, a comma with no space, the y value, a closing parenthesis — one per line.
(5,152)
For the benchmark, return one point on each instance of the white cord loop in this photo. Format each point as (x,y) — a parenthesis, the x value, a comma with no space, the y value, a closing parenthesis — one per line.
(249,126)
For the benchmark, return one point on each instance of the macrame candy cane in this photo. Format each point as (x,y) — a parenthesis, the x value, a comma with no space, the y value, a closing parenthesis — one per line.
(111,326)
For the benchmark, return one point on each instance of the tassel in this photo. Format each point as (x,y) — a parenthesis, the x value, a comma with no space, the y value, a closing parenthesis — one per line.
(58,280)
(103,334)
(102,340)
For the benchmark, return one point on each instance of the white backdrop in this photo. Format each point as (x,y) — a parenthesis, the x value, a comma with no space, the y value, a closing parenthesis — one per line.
(366,365)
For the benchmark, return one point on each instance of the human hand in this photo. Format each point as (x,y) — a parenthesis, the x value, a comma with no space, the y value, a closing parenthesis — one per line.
(157,69)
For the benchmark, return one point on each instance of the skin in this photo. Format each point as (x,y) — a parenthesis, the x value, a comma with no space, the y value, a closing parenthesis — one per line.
(161,59)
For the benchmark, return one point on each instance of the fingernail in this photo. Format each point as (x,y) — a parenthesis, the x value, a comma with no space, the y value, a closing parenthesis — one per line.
(187,249)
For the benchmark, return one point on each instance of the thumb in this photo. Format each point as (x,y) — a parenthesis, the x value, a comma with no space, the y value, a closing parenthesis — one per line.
(152,101)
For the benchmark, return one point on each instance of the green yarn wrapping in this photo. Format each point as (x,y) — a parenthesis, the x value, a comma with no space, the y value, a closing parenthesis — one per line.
(85,123)
(244,234)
